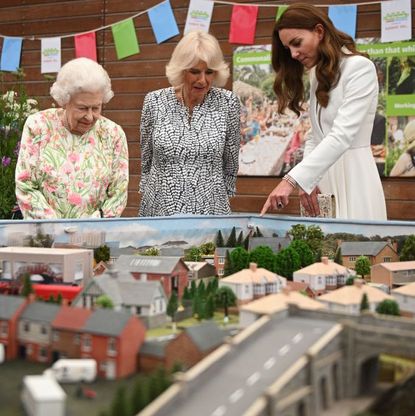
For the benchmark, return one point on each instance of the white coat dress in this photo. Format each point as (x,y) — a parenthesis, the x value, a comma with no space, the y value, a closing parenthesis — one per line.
(337,155)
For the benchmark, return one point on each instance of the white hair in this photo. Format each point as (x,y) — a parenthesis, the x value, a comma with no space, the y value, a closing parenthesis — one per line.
(194,47)
(81,75)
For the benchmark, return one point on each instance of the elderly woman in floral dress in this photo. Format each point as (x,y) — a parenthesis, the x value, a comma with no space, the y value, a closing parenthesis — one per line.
(73,162)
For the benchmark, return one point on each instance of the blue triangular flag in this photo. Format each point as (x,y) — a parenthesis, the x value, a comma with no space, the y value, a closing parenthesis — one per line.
(10,54)
(163,21)
(344,18)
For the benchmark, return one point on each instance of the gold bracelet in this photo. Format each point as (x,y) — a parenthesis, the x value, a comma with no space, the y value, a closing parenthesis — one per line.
(290,180)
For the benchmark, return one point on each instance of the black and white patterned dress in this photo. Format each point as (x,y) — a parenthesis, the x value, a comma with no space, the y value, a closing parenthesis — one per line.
(189,166)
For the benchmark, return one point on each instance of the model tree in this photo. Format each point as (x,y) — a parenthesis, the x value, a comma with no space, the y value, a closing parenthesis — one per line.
(102,253)
(207,248)
(304,251)
(104,302)
(240,240)
(338,258)
(263,256)
(239,259)
(364,304)
(172,308)
(314,238)
(225,297)
(388,307)
(362,266)
(151,251)
(298,232)
(219,239)
(119,405)
(287,261)
(408,249)
(228,266)
(350,281)
(27,285)
(231,241)
(139,396)
(193,254)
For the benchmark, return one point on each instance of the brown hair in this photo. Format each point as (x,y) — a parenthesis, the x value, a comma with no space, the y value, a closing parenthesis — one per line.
(288,84)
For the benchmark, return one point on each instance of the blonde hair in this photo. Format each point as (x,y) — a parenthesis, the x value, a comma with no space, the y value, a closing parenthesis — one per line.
(81,75)
(194,47)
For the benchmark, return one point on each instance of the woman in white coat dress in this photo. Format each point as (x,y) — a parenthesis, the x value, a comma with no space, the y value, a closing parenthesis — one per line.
(343,99)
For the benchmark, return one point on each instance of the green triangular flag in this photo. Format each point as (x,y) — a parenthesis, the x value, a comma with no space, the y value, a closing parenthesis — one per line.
(280,11)
(125,38)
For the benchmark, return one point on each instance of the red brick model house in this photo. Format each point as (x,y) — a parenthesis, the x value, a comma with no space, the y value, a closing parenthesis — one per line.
(375,251)
(10,310)
(394,274)
(113,339)
(66,332)
(35,331)
(171,272)
(187,349)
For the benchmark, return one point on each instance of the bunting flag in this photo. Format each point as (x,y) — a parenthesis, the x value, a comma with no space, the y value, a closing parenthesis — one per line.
(198,16)
(163,21)
(396,19)
(50,55)
(10,54)
(243,24)
(125,38)
(280,11)
(86,46)
(344,18)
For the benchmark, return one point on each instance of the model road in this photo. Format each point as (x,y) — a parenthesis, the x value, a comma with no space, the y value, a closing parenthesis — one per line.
(246,374)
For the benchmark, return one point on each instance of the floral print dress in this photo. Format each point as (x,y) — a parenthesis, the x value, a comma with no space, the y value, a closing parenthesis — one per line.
(64,175)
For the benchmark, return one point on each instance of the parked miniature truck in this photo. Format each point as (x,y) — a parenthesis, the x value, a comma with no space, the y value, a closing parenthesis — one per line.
(42,395)
(73,370)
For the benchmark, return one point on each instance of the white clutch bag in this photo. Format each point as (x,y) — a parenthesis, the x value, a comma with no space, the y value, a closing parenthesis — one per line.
(327,205)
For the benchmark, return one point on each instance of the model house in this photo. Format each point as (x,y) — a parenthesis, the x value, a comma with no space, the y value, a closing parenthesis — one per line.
(10,309)
(393,274)
(187,348)
(66,332)
(200,270)
(405,297)
(219,259)
(253,283)
(58,264)
(113,339)
(348,299)
(269,305)
(171,272)
(143,298)
(375,251)
(35,331)
(323,276)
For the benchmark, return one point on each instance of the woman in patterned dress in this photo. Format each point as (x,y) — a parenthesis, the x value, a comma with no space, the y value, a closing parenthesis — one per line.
(73,162)
(190,134)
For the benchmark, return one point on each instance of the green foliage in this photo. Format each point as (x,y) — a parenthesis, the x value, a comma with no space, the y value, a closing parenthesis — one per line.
(287,261)
(59,299)
(139,396)
(151,251)
(40,239)
(239,259)
(104,302)
(187,294)
(240,240)
(27,285)
(210,306)
(102,253)
(391,158)
(388,307)
(231,241)
(338,256)
(228,268)
(201,289)
(225,297)
(350,281)
(304,251)
(207,248)
(298,232)
(312,235)
(15,107)
(263,256)
(364,304)
(172,305)
(408,249)
(119,405)
(246,242)
(219,240)
(362,266)
(193,289)
(193,254)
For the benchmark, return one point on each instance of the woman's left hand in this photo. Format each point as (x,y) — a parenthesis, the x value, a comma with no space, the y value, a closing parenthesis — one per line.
(310,202)
(279,197)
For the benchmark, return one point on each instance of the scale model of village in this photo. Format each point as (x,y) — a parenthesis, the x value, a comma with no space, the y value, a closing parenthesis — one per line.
(236,320)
